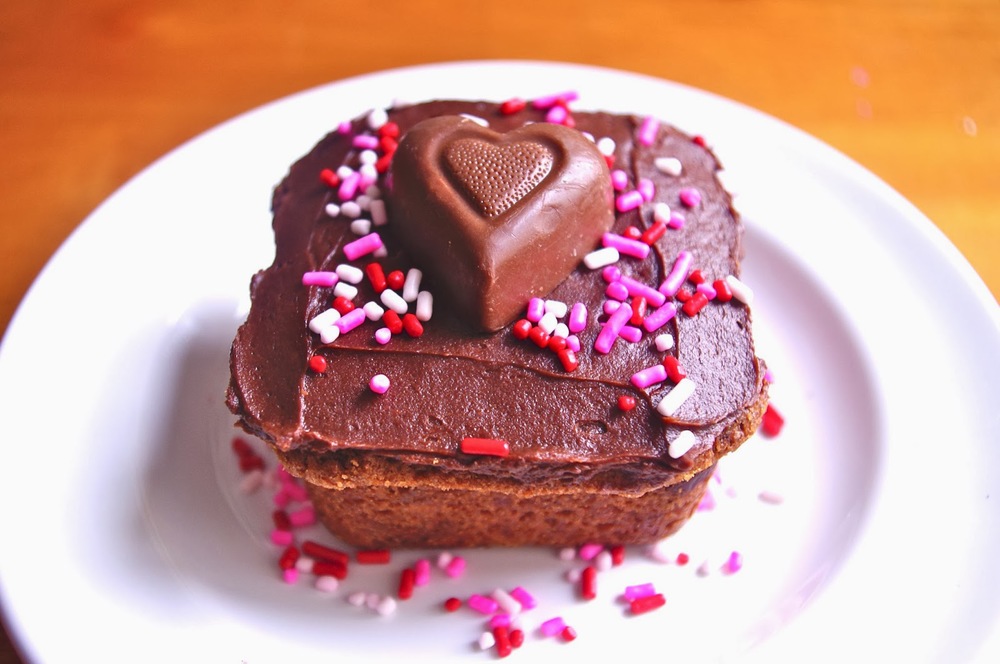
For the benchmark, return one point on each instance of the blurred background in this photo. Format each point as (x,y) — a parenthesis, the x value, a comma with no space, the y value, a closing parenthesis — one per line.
(92,92)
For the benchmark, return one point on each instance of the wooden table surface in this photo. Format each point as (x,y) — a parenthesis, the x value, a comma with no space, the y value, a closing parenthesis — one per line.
(91,92)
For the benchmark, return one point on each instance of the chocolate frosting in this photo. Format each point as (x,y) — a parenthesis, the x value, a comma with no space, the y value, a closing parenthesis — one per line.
(455,380)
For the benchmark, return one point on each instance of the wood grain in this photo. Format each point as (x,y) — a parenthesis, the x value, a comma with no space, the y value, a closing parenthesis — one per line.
(90,93)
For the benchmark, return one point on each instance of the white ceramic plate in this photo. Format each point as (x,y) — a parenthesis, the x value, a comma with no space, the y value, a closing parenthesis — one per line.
(125,536)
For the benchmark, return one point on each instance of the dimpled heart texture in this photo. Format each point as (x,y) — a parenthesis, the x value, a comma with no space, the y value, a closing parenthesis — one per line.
(498,218)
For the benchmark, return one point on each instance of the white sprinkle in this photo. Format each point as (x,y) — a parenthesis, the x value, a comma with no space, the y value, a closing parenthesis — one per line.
(327,584)
(361,227)
(507,603)
(364,201)
(252,481)
(352,274)
(606,146)
(373,310)
(548,322)
(567,554)
(771,497)
(357,598)
(350,209)
(661,213)
(368,173)
(332,209)
(377,209)
(444,559)
(741,291)
(603,561)
(372,600)
(345,172)
(381,252)
(329,334)
(304,564)
(664,342)
(486,641)
(324,320)
(556,307)
(411,286)
(601,257)
(669,165)
(660,552)
(573,575)
(475,118)
(680,445)
(425,306)
(675,397)
(561,330)
(377,117)
(394,301)
(373,192)
(344,289)
(368,157)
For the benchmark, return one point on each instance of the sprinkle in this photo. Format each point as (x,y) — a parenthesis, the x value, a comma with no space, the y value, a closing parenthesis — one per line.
(588,582)
(675,370)
(678,273)
(302,517)
(455,567)
(589,550)
(452,604)
(707,290)
(332,209)
(362,246)
(506,602)
(668,165)
(290,576)
(329,334)
(386,606)
(373,310)
(475,118)
(616,290)
(345,290)
(407,581)
(393,321)
(326,584)
(772,423)
(395,279)
(695,304)
(373,556)
(673,400)
(619,179)
(626,246)
(485,446)
(350,209)
(663,342)
(393,300)
(500,634)
(379,384)
(654,232)
(524,598)
(740,291)
(552,626)
(690,196)
(350,320)
(486,641)
(551,100)
(611,273)
(350,273)
(425,306)
(317,363)
(680,445)
(568,634)
(628,200)
(343,305)
(734,563)
(638,289)
(325,279)
(512,106)
(482,604)
(645,604)
(349,186)
(647,130)
(521,329)
(412,325)
(378,213)
(324,320)
(548,322)
(770,497)
(377,118)
(557,308)
(568,359)
(640,590)
(330,179)
(649,376)
(325,553)
(601,258)
(376,275)
(500,619)
(422,572)
(577,318)
(609,333)
(646,189)
(281,537)
(659,317)
(603,561)
(723,293)
(411,286)
(557,114)
(536,309)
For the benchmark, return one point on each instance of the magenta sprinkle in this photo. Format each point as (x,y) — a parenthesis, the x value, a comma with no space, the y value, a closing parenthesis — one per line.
(557,114)
(638,289)
(611,273)
(578,317)
(628,200)
(526,599)
(734,563)
(379,384)
(455,567)
(553,626)
(536,309)
(646,189)
(649,376)
(349,186)
(647,130)
(624,245)
(551,100)
(690,196)
(422,572)
(616,290)
(325,279)
(676,220)
(659,317)
(619,179)
(589,550)
(365,142)
(282,537)
(573,343)
(630,333)
(639,590)
(678,274)
(707,290)
(501,620)
(609,333)
(482,604)
(362,246)
(351,320)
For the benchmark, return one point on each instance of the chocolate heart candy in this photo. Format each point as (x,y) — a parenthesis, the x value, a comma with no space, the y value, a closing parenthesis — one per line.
(498,218)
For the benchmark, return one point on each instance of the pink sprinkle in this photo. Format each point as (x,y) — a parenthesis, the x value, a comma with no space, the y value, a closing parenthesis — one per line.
(630,333)
(649,376)
(344,127)
(659,317)
(349,186)
(290,575)
(734,563)
(707,289)
(588,551)
(573,343)
(351,320)
(455,567)
(281,537)
(501,620)
(646,189)
(707,502)
(616,290)
(676,220)
(304,516)
(536,309)
(679,272)
(611,306)
(619,179)
(553,626)
(640,590)
(551,100)
(611,273)
(624,245)
(526,599)
(325,279)
(609,333)
(557,114)
(365,142)
(482,604)
(379,384)
(422,572)
(628,200)
(362,246)
(690,196)
(578,317)
(638,289)
(647,130)
(383,335)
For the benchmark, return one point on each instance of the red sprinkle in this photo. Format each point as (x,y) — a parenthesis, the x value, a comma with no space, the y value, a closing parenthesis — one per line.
(639,308)
(648,603)
(588,582)
(517,637)
(383,162)
(281,520)
(632,233)
(568,359)
(626,402)
(395,279)
(412,325)
(452,604)
(502,638)
(609,159)
(388,145)
(556,344)
(317,363)
(321,552)
(521,329)
(407,579)
(696,277)
(485,446)
(772,423)
(342,304)
(683,295)
(392,321)
(695,304)
(675,370)
(242,447)
(512,106)
(248,463)
(376,276)
(653,233)
(329,178)
(617,555)
(389,130)
(329,568)
(289,557)
(568,634)
(683,559)
(699,140)
(539,336)
(373,556)
(723,293)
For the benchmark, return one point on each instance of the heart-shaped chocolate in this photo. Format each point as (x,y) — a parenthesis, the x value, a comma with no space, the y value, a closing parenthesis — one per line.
(498,218)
